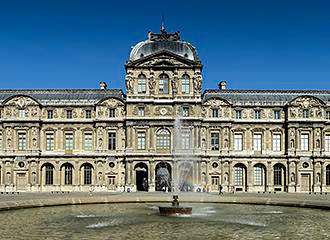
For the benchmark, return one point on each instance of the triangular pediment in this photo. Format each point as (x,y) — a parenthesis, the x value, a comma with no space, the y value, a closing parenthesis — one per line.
(163,59)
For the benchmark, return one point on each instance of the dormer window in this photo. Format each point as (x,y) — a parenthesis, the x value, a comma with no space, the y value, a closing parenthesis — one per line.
(163,84)
(88,114)
(305,113)
(257,114)
(185,84)
(112,113)
(277,114)
(141,111)
(238,114)
(69,114)
(21,113)
(142,83)
(215,113)
(50,114)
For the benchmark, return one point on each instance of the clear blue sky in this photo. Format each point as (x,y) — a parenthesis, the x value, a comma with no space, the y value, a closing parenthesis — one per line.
(274,44)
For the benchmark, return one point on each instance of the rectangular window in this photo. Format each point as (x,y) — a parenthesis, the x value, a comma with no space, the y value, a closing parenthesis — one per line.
(185,140)
(50,114)
(112,113)
(277,114)
(163,86)
(257,114)
(88,114)
(88,141)
(257,142)
(21,141)
(214,141)
(141,143)
(327,143)
(215,180)
(69,114)
(304,142)
(68,141)
(328,115)
(306,113)
(215,113)
(112,141)
(238,142)
(142,85)
(141,111)
(112,180)
(238,114)
(49,141)
(21,113)
(185,85)
(277,142)
(185,111)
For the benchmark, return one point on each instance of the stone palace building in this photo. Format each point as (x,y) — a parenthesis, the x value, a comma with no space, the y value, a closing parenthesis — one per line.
(164,131)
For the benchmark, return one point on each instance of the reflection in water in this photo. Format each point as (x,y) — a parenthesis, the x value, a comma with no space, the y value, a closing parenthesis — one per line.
(142,221)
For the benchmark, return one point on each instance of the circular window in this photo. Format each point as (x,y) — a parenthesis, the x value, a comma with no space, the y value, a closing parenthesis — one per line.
(215,165)
(112,164)
(21,164)
(305,165)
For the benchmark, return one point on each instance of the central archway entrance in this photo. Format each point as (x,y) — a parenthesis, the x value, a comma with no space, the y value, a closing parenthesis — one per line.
(163,173)
(141,176)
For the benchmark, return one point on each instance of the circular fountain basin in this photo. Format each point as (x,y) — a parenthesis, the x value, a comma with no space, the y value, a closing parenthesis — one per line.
(175,211)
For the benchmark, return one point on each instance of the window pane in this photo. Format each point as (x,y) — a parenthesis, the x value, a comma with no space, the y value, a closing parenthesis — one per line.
(49,141)
(88,141)
(257,142)
(238,142)
(112,141)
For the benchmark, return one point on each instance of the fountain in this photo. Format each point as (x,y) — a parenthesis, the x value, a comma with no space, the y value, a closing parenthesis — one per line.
(175,209)
(181,181)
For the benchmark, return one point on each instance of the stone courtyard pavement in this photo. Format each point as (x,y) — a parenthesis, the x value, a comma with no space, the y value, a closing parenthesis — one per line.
(28,200)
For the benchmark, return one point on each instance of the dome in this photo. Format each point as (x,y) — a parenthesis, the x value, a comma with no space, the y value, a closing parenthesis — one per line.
(164,41)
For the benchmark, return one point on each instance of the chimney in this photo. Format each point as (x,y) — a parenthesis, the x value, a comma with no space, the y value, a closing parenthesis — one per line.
(222,85)
(103,85)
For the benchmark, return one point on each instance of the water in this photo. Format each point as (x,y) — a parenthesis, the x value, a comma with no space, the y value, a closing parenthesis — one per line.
(142,221)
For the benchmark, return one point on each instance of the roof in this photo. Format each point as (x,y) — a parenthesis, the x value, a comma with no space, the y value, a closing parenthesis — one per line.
(164,41)
(64,96)
(265,97)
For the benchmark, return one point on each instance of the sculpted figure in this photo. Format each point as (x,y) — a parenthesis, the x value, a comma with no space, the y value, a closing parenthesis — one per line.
(151,84)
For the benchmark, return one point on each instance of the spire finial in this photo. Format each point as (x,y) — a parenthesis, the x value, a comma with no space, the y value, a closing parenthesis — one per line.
(162,25)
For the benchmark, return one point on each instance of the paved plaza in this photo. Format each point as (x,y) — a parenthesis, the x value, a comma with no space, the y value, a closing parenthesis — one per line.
(28,200)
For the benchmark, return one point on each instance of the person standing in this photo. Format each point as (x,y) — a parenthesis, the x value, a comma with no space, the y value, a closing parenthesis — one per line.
(220,189)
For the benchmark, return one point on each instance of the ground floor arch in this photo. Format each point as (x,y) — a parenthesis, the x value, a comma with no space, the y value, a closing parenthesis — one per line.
(279,172)
(240,177)
(141,177)
(163,176)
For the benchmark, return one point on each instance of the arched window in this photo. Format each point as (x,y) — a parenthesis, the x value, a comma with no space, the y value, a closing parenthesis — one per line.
(239,175)
(142,83)
(279,175)
(185,84)
(163,139)
(49,174)
(88,173)
(259,175)
(163,84)
(327,175)
(68,174)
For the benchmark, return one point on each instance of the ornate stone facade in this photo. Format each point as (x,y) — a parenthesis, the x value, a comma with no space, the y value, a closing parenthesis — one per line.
(105,140)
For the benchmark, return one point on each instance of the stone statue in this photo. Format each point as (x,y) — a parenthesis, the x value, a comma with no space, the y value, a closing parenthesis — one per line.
(129,83)
(197,82)
(152,84)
